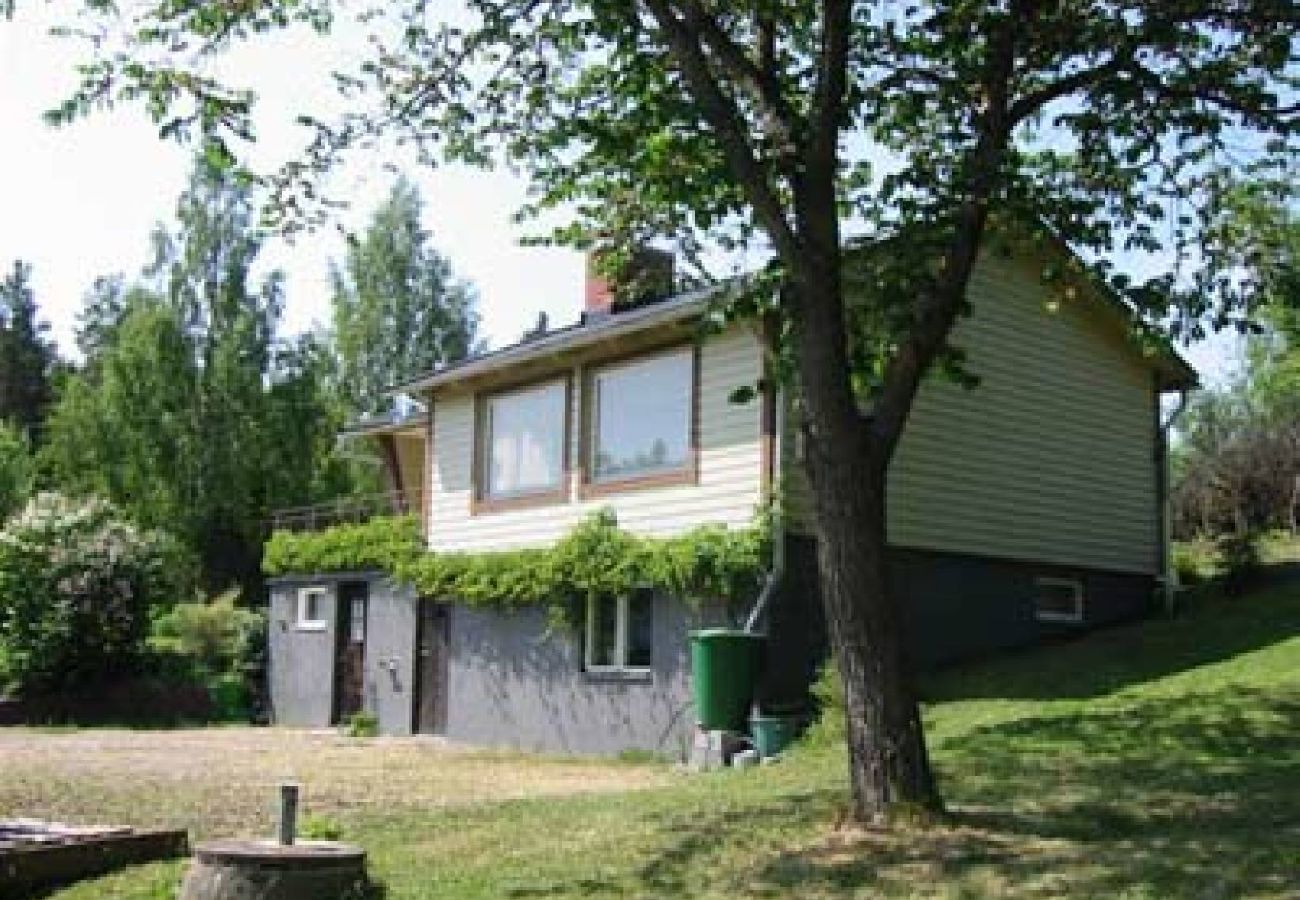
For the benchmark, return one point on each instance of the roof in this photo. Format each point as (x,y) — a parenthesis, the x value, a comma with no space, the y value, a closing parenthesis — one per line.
(391,424)
(1179,374)
(581,334)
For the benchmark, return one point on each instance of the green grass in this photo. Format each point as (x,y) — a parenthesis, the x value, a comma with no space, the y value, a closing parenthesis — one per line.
(1159,760)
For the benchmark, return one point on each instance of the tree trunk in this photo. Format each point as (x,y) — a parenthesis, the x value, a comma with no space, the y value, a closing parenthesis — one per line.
(888,764)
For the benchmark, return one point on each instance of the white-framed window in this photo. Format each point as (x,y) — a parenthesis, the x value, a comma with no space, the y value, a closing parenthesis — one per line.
(523,437)
(312,615)
(620,632)
(1058,600)
(640,416)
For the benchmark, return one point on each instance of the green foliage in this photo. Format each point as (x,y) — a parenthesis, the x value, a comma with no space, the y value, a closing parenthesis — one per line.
(27,356)
(827,730)
(78,584)
(596,557)
(231,698)
(320,828)
(190,414)
(17,470)
(398,310)
(217,636)
(384,543)
(1240,561)
(363,724)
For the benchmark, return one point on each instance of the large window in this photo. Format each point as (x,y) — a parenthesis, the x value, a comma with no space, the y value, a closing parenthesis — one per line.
(640,417)
(620,632)
(523,441)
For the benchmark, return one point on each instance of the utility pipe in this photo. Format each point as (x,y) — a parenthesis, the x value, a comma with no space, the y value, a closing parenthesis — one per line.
(1168,575)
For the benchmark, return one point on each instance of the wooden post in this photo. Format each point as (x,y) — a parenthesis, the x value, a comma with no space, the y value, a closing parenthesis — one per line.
(288,813)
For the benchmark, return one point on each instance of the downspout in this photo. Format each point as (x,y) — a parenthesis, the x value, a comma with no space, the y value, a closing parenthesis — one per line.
(777,571)
(1167,575)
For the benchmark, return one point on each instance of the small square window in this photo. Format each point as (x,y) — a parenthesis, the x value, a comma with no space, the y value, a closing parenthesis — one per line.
(620,632)
(311,609)
(1058,600)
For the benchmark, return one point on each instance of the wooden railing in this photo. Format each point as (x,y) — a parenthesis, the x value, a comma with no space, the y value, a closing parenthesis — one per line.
(352,510)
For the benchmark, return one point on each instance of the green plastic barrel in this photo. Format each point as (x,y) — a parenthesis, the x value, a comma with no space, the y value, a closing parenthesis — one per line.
(724,667)
(772,734)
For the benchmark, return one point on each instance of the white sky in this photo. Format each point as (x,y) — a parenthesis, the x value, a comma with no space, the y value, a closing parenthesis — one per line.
(79,202)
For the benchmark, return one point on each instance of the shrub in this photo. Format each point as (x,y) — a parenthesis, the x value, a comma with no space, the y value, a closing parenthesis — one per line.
(231,699)
(320,828)
(828,729)
(1240,560)
(363,725)
(77,585)
(16,470)
(217,636)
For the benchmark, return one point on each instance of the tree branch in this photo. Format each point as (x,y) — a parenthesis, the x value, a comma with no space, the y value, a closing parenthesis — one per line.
(937,309)
(757,79)
(728,124)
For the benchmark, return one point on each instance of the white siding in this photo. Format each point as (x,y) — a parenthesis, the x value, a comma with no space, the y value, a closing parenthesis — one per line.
(730,467)
(1050,458)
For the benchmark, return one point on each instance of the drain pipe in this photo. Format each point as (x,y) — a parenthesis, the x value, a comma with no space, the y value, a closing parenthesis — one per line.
(775,574)
(1168,576)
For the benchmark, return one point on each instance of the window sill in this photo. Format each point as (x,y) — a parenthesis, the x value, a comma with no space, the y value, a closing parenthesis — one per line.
(673,478)
(311,626)
(1050,619)
(524,501)
(618,676)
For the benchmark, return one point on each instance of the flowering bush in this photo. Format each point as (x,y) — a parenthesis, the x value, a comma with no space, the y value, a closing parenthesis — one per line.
(77,585)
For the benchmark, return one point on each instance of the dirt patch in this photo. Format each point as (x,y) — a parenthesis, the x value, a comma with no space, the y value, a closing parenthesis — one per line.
(222,781)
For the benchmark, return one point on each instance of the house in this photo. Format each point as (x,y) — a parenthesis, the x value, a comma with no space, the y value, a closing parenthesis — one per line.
(1029,506)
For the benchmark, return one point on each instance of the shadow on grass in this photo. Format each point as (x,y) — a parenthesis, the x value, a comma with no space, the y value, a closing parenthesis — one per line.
(1197,798)
(1209,628)
(1151,799)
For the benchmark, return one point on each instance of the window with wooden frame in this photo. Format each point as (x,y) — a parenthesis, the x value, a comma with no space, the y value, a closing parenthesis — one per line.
(641,422)
(619,634)
(312,614)
(1058,600)
(522,455)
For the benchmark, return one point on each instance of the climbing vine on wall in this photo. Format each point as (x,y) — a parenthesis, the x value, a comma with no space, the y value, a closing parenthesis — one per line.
(710,562)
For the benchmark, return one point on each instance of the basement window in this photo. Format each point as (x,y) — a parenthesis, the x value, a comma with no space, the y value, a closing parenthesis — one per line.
(311,609)
(1058,600)
(620,632)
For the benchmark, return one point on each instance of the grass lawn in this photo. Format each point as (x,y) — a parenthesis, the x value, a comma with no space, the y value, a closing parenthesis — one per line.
(1157,760)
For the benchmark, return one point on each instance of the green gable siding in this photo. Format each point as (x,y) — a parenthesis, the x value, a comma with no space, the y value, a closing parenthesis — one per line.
(1051,458)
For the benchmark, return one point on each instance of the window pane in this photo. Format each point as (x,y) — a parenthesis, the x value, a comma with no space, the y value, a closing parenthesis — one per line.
(358,620)
(525,434)
(640,628)
(642,416)
(604,632)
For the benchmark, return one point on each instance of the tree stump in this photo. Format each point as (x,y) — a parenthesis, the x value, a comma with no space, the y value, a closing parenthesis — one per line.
(266,870)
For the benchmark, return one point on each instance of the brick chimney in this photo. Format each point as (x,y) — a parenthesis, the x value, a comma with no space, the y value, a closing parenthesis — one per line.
(648,276)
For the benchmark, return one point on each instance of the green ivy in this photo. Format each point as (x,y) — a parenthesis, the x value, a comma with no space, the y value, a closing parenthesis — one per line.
(595,558)
(384,544)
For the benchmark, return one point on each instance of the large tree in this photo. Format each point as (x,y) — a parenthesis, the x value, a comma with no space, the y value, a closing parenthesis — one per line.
(1109,125)
(190,413)
(398,310)
(27,356)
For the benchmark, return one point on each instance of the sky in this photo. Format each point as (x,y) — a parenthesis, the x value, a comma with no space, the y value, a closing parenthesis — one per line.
(79,202)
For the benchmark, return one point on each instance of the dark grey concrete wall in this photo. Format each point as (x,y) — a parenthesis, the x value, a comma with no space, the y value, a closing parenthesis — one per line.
(301,662)
(390,655)
(511,683)
(956,606)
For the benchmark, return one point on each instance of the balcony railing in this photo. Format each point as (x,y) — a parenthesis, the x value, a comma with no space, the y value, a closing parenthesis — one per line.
(349,510)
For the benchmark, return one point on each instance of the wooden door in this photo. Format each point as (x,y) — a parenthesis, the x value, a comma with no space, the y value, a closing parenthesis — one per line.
(350,655)
(431,669)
